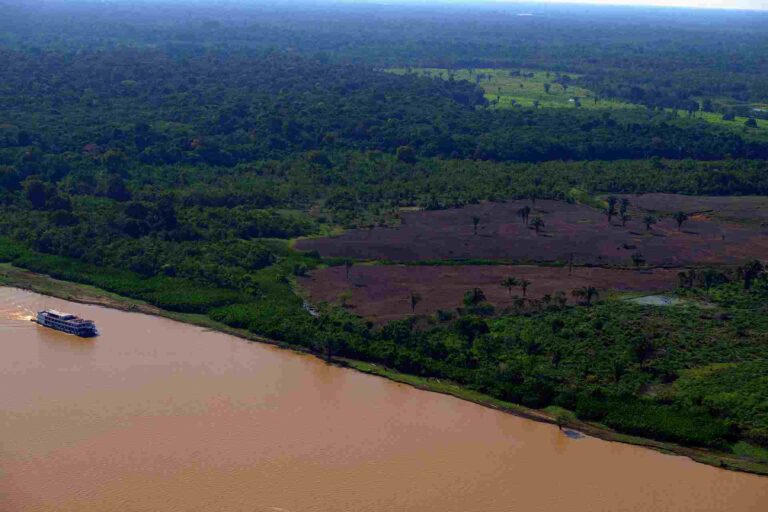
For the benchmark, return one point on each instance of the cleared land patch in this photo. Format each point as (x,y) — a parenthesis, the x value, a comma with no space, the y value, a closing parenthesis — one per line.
(570,231)
(382,293)
(510,88)
(742,209)
(507,88)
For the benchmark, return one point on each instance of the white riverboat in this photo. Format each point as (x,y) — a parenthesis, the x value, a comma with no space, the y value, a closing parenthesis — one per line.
(66,322)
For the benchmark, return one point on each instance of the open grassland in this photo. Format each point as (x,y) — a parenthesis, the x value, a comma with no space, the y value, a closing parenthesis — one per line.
(506,88)
(510,88)
(760,132)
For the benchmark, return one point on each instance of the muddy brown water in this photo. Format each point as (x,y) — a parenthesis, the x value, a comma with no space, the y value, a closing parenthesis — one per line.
(161,416)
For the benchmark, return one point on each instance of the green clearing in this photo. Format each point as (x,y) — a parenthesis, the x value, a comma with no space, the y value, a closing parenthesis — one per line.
(505,88)
(737,125)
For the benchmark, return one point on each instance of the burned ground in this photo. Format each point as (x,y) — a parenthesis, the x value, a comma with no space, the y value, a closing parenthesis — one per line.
(740,209)
(382,292)
(570,231)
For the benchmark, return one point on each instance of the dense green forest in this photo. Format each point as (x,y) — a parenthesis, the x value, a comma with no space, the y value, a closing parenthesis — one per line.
(660,57)
(174,154)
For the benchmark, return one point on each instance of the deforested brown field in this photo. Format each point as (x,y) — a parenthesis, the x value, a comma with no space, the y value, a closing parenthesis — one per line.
(382,292)
(719,231)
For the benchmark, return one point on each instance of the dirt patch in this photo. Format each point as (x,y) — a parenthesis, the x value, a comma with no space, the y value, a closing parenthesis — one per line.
(742,209)
(382,292)
(570,229)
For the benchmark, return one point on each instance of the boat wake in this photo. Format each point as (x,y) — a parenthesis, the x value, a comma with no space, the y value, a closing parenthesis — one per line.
(14,309)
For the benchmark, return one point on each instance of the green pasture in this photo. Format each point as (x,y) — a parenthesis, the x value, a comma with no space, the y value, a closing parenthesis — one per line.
(508,88)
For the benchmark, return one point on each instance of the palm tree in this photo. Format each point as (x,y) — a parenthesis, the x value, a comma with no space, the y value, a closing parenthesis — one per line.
(623,205)
(537,224)
(610,211)
(348,266)
(474,297)
(524,213)
(475,223)
(587,293)
(649,220)
(524,284)
(680,217)
(415,299)
(750,272)
(509,283)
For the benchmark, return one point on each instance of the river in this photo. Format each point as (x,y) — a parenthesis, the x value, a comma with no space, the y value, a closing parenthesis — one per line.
(160,416)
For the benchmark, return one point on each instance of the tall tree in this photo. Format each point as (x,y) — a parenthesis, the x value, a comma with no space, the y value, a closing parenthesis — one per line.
(348,266)
(524,213)
(415,299)
(474,297)
(680,218)
(649,220)
(623,205)
(587,293)
(533,195)
(537,223)
(610,210)
(509,283)
(751,271)
(524,284)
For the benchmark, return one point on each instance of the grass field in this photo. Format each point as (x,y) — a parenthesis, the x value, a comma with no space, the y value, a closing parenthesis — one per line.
(506,88)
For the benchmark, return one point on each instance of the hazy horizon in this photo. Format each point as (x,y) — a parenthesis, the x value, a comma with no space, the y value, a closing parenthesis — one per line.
(761,5)
(703,4)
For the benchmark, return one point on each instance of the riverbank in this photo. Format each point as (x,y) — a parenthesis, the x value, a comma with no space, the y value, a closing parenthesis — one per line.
(20,278)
